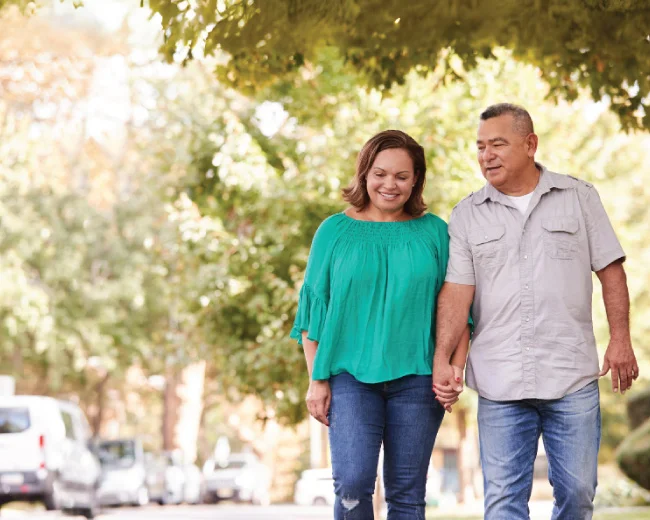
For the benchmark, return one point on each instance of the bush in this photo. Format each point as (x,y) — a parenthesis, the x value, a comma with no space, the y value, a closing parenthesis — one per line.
(633,455)
(638,408)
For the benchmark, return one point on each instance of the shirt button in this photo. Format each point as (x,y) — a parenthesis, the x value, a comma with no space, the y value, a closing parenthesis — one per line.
(526,286)
(527,319)
(525,257)
(527,349)
(486,237)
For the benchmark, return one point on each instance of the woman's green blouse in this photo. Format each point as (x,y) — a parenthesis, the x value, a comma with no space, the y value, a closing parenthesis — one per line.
(369,296)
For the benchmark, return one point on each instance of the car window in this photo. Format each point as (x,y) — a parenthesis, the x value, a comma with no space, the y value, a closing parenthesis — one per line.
(117,453)
(69,425)
(14,420)
(231,464)
(83,428)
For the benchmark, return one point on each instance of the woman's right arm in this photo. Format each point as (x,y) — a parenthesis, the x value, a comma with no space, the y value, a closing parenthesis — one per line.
(319,395)
(312,311)
(309,348)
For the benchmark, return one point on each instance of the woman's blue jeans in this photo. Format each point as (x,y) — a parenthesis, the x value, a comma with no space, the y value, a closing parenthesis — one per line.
(405,416)
(509,432)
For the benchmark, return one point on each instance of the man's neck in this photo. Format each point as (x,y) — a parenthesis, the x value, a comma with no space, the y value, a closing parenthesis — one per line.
(527,183)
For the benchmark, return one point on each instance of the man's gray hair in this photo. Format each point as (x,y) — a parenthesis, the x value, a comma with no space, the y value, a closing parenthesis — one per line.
(523,123)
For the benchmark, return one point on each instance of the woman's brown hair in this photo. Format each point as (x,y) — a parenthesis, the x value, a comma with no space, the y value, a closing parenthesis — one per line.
(357,193)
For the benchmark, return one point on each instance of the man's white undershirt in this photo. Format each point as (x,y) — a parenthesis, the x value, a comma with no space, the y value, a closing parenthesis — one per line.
(522,202)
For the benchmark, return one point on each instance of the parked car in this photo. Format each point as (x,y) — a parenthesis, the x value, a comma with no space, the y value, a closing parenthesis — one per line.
(242,478)
(124,478)
(174,477)
(192,485)
(46,455)
(155,467)
(315,487)
(165,477)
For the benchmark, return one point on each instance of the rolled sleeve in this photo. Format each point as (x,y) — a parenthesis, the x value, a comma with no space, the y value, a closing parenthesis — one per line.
(460,268)
(604,246)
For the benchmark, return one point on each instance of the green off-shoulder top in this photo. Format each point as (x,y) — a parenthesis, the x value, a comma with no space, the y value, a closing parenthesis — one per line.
(369,296)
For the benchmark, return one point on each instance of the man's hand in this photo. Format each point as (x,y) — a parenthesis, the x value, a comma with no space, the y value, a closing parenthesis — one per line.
(619,357)
(447,383)
(319,397)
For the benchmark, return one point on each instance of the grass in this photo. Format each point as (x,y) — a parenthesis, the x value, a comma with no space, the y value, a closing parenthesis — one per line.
(629,514)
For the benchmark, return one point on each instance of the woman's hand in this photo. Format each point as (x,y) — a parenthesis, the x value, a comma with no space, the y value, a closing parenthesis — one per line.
(319,397)
(448,394)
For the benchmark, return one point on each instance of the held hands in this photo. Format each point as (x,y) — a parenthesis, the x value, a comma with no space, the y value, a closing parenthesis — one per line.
(447,384)
(319,397)
(619,357)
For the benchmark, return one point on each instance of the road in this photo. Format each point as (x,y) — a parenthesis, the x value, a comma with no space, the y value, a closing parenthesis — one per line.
(220,512)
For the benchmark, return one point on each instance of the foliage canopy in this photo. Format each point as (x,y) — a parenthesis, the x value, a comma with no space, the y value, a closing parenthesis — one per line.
(600,45)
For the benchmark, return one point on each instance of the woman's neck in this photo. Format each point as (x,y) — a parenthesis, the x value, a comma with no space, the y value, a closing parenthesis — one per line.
(373,214)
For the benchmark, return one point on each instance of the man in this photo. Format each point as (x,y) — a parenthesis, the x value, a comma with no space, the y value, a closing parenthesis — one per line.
(521,253)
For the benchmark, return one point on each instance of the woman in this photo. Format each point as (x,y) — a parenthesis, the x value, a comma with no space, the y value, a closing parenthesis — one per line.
(366,320)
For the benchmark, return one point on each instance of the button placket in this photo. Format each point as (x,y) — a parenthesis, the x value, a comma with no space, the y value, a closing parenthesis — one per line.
(527,312)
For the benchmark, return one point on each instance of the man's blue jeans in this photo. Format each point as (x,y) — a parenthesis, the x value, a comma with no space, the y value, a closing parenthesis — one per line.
(509,432)
(405,415)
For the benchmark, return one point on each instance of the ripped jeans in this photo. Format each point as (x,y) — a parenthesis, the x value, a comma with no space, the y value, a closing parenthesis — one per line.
(405,416)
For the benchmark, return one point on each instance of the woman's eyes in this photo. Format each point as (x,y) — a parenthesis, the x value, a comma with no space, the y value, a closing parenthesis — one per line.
(381,174)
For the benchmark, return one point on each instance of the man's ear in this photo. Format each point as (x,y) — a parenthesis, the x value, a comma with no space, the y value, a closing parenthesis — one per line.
(531,144)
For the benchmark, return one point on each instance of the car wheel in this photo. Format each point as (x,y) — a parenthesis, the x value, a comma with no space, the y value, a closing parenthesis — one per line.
(52,498)
(142,498)
(92,510)
(319,501)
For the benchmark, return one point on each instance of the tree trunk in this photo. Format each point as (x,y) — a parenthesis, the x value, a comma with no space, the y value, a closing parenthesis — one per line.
(98,417)
(183,406)
(464,462)
(377,499)
(170,410)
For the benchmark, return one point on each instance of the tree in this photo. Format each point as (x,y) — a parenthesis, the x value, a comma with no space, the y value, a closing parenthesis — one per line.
(385,40)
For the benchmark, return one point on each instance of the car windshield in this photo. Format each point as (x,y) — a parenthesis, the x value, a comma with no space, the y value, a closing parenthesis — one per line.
(14,420)
(231,464)
(117,453)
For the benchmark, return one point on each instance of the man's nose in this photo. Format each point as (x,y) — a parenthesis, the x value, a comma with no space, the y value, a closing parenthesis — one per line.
(487,154)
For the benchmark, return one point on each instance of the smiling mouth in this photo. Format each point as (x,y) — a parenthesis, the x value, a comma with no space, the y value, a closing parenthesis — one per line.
(389,196)
(492,169)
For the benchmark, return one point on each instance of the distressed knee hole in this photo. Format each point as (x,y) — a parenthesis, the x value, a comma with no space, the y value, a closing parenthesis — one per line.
(349,503)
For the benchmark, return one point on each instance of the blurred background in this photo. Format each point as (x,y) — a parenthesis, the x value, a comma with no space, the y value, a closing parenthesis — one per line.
(158,195)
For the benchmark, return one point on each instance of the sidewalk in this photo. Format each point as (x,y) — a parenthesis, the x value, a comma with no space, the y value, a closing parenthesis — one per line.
(539,510)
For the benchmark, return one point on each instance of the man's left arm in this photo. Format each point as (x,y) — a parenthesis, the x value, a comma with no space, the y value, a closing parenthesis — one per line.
(619,357)
(607,257)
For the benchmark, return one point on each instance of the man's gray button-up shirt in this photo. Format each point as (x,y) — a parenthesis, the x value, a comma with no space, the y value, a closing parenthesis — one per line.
(533,331)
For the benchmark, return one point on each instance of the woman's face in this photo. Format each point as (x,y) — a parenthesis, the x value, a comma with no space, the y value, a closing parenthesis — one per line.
(390,180)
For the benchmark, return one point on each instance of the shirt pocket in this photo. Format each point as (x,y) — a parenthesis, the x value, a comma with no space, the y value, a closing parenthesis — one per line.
(488,245)
(561,237)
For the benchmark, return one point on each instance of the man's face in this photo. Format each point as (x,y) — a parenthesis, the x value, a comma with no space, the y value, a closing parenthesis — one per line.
(503,152)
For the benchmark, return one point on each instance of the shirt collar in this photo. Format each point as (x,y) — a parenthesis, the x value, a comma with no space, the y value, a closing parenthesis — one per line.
(548,180)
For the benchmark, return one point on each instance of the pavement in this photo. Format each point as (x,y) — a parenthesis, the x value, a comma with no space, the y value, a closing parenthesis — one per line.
(220,511)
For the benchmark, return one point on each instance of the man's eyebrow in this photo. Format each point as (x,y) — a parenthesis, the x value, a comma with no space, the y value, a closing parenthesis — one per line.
(493,140)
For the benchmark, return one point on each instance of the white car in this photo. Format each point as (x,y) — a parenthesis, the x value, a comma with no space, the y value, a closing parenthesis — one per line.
(124,478)
(241,478)
(45,455)
(193,485)
(315,487)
